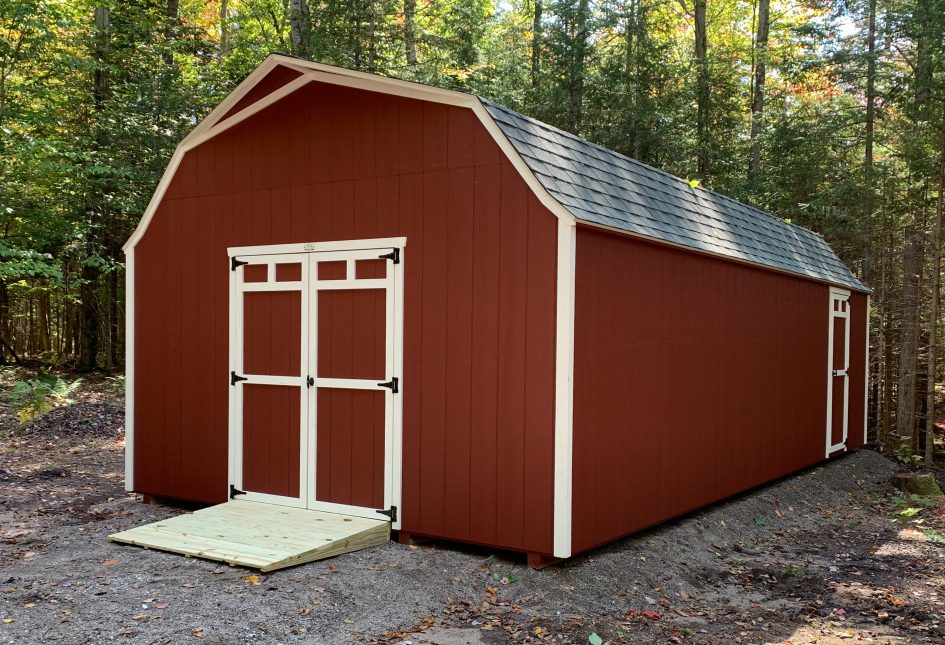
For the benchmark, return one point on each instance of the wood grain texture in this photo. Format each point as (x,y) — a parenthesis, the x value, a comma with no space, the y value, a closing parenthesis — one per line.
(261,536)
(478,379)
(695,379)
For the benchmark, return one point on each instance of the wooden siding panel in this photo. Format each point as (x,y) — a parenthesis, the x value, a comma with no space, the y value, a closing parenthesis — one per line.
(459,269)
(687,364)
(479,308)
(433,322)
(513,316)
(484,474)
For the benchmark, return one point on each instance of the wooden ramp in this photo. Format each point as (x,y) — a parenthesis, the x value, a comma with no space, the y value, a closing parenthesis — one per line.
(261,536)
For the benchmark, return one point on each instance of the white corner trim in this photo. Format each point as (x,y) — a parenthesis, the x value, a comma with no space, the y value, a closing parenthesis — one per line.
(129,369)
(564,389)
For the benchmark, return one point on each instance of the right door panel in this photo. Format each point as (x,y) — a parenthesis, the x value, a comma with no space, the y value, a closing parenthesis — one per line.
(354,380)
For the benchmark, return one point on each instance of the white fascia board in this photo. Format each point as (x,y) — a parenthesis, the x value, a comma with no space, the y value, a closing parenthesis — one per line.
(208,129)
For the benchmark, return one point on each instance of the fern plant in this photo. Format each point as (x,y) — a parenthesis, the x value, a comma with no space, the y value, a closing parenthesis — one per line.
(35,397)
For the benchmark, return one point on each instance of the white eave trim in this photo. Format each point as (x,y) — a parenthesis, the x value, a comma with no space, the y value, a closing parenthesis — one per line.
(210,127)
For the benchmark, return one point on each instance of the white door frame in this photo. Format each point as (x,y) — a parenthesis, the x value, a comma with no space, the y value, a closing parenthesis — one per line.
(839,303)
(310,253)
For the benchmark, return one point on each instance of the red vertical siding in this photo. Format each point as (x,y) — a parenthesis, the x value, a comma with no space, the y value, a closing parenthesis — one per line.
(333,163)
(695,379)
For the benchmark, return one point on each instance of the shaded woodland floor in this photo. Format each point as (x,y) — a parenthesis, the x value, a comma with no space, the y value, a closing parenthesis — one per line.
(830,555)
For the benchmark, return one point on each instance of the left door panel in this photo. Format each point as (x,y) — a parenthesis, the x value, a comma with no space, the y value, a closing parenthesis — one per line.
(268,381)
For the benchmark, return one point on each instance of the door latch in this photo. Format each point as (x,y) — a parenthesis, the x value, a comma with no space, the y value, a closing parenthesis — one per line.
(310,382)
(391,384)
(839,372)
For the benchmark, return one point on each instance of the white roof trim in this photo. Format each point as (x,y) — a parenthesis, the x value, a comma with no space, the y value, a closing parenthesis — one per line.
(209,127)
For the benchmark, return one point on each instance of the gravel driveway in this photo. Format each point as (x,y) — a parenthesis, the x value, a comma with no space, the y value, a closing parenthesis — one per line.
(819,557)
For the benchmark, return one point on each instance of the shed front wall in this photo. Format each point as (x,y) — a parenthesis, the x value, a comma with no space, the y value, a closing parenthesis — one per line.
(334,163)
(694,379)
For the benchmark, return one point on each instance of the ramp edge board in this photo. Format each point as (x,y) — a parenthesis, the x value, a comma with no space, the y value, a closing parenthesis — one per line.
(256,535)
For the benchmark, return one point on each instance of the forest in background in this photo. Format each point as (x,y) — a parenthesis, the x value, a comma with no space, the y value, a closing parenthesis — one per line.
(828,113)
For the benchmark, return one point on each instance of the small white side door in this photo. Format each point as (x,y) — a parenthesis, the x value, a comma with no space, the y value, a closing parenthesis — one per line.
(838,368)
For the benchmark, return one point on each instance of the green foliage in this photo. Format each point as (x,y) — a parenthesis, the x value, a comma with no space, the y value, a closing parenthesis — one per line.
(594,639)
(906,455)
(34,397)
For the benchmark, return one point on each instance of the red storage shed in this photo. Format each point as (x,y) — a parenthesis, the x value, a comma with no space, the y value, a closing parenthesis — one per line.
(358,294)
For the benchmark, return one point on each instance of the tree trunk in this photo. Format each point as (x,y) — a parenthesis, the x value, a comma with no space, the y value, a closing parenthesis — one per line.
(298,28)
(702,90)
(410,33)
(868,139)
(372,38)
(578,57)
(224,28)
(536,43)
(173,8)
(90,317)
(912,260)
(933,314)
(758,90)
(908,351)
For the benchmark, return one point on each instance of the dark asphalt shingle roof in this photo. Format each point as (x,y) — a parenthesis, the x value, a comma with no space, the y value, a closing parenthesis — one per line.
(600,186)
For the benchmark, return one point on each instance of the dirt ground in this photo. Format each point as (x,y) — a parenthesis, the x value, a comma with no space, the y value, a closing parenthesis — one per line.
(827,556)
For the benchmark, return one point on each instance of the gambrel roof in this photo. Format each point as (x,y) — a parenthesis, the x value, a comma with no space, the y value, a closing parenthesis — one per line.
(577,180)
(600,186)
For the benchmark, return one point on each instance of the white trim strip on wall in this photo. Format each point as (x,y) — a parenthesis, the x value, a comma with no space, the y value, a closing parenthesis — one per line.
(564,389)
(129,370)
(383,243)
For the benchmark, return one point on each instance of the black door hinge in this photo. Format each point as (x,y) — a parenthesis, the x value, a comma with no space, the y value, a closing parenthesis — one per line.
(391,513)
(310,381)
(234,491)
(394,256)
(235,378)
(392,384)
(235,264)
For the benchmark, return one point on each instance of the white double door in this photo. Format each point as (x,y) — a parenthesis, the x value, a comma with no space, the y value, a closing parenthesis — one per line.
(315,342)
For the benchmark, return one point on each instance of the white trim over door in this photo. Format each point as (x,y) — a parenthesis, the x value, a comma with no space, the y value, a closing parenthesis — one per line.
(310,381)
(839,303)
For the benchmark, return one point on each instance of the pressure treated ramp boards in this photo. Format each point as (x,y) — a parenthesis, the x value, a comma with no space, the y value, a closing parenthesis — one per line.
(261,536)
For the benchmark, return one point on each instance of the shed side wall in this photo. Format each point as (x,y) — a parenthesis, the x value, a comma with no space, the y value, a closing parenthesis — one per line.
(694,379)
(333,163)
